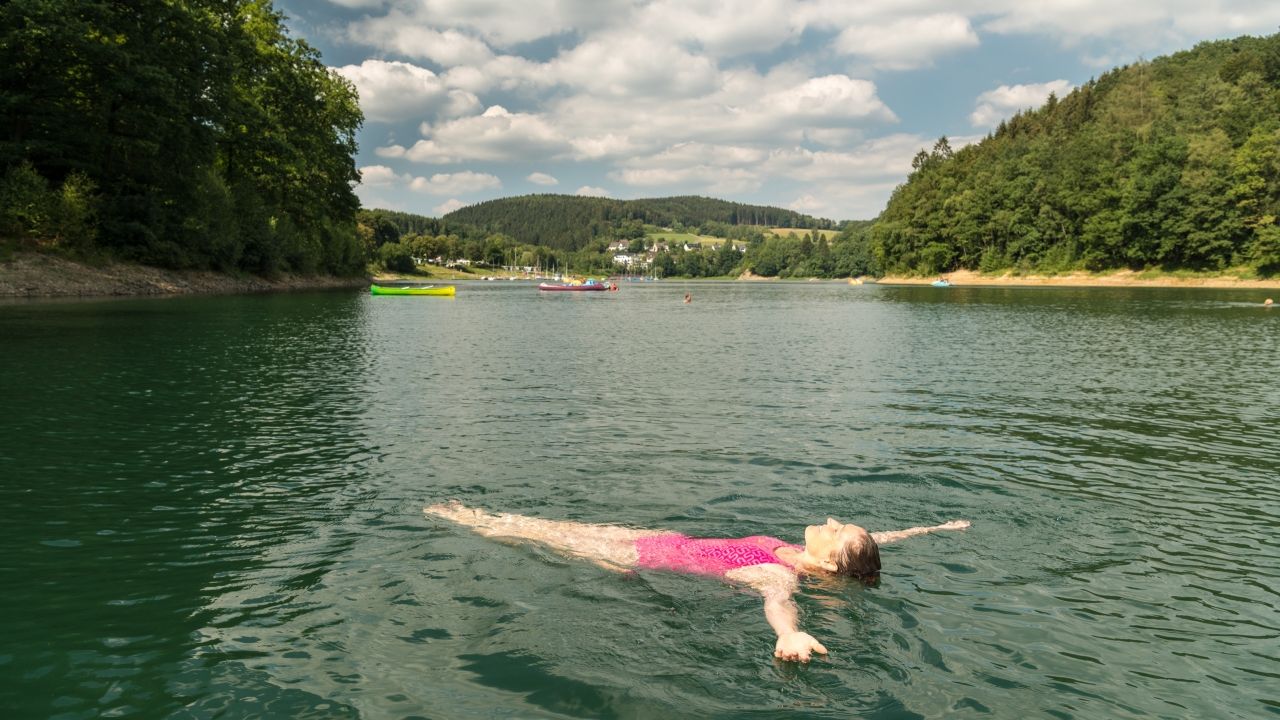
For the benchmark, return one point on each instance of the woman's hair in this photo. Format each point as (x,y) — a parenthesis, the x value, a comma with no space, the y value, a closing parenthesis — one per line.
(860,558)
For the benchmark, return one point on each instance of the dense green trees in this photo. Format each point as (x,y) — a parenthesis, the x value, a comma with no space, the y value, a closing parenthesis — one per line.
(453,237)
(190,133)
(567,222)
(1171,163)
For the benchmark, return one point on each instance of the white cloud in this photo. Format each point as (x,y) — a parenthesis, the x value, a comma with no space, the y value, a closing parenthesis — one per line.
(880,158)
(807,204)
(876,160)
(455,183)
(733,169)
(608,145)
(833,137)
(686,154)
(829,97)
(378,176)
(589,191)
(909,42)
(504,23)
(1071,20)
(722,29)
(1129,30)
(542,179)
(410,36)
(848,201)
(504,72)
(1221,17)
(423,151)
(392,91)
(630,66)
(716,180)
(494,136)
(381,176)
(785,106)
(448,206)
(993,106)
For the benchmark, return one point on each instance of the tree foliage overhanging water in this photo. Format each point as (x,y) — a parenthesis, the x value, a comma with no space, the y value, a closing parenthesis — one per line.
(192,134)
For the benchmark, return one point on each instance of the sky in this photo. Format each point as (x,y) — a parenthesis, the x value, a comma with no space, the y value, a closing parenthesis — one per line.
(813,105)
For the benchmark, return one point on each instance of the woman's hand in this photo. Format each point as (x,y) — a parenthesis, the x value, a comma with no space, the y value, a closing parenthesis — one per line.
(954,525)
(797,646)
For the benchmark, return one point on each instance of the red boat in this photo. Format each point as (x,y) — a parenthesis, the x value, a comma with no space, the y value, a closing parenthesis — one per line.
(585,287)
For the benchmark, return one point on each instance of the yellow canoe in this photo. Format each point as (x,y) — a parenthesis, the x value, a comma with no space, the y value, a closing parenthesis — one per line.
(429,290)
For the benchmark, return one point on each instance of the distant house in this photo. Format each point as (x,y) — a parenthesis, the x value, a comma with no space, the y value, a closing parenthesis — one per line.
(692,246)
(617,245)
(631,261)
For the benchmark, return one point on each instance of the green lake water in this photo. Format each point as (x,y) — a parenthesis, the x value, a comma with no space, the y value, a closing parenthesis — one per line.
(213,504)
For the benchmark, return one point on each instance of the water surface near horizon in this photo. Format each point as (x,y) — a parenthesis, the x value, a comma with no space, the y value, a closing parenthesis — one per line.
(215,502)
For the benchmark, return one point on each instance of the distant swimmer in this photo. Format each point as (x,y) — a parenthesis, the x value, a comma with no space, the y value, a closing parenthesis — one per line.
(769,565)
(1266,302)
(688,298)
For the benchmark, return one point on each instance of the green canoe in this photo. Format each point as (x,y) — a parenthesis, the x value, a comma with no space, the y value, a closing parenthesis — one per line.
(428,290)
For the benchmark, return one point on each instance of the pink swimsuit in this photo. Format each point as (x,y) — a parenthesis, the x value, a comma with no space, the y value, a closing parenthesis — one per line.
(707,556)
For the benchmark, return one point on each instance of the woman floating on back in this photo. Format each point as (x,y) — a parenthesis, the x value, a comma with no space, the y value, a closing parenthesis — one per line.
(769,565)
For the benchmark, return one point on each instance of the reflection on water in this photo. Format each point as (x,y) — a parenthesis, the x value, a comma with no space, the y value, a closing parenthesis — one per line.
(216,501)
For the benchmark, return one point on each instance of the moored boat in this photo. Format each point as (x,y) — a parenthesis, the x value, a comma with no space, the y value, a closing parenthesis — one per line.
(584,287)
(446,290)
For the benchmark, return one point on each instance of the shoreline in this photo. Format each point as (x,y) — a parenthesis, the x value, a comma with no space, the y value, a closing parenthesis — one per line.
(37,275)
(1122,278)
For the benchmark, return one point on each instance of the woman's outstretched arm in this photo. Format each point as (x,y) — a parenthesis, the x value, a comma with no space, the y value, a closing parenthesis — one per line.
(777,584)
(895,535)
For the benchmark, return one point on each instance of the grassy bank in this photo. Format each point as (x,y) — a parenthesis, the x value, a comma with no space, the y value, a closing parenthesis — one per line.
(828,235)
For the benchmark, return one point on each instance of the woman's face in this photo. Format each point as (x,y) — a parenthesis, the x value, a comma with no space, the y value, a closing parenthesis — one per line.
(822,542)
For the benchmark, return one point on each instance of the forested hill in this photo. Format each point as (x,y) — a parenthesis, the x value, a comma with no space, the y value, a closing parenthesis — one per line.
(184,134)
(568,222)
(1172,163)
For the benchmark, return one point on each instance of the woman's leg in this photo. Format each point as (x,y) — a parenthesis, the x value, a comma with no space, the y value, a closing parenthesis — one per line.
(608,544)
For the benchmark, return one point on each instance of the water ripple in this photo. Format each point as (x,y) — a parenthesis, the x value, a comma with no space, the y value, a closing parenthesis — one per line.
(216,509)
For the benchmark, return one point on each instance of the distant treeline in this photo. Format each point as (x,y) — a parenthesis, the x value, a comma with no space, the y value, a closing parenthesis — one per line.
(183,134)
(401,240)
(808,254)
(1173,163)
(567,222)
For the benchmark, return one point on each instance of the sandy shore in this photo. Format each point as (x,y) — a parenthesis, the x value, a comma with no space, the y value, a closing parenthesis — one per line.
(1123,278)
(37,275)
